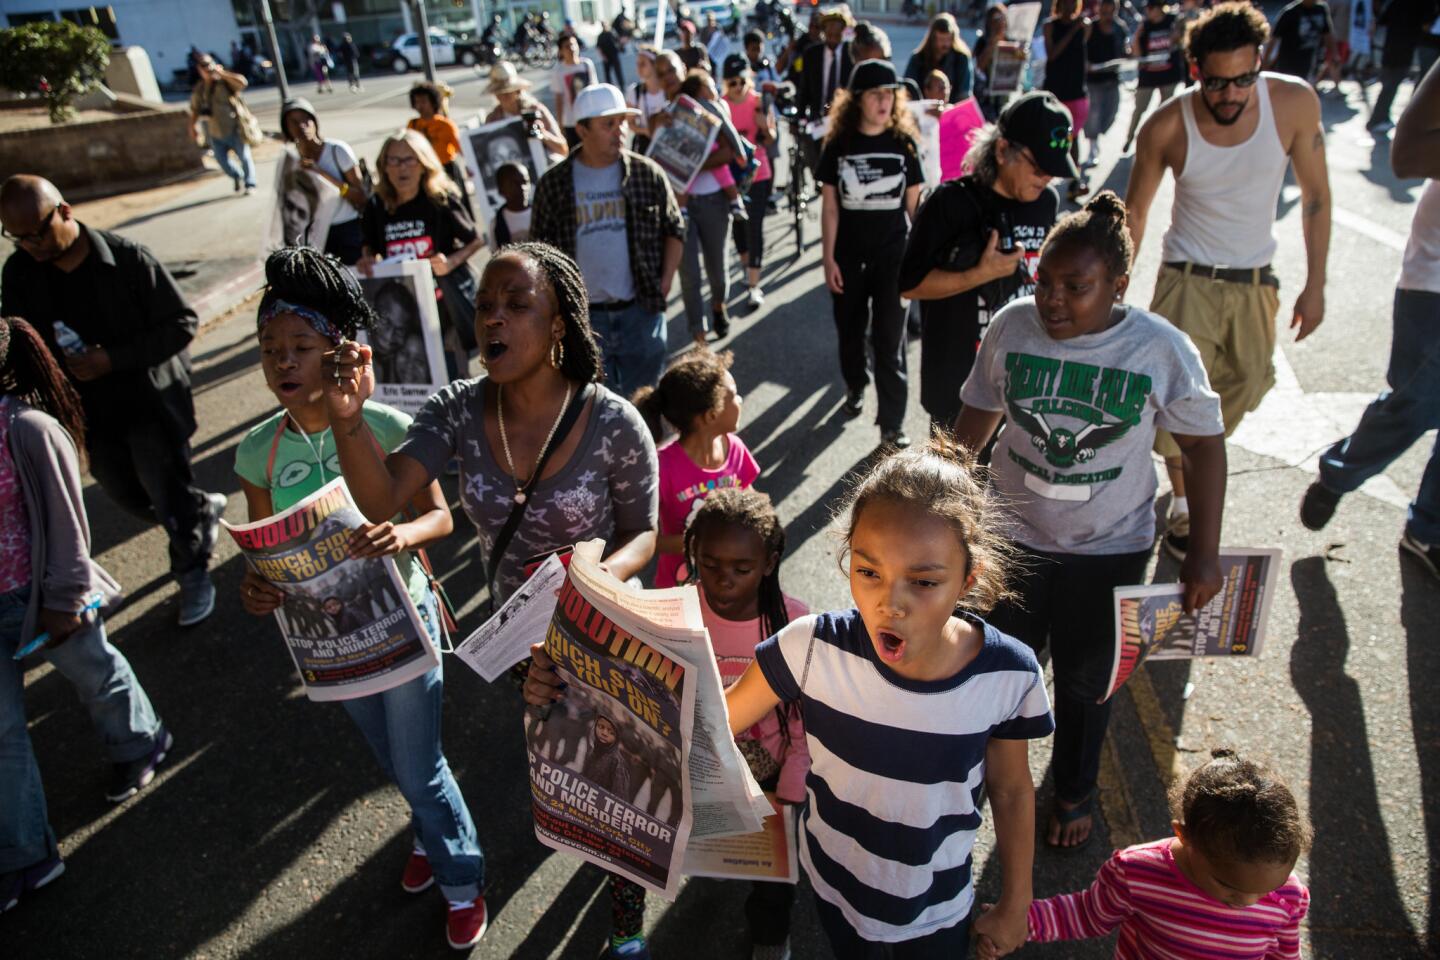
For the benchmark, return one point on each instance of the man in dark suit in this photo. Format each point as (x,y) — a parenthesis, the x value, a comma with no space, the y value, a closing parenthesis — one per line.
(824,68)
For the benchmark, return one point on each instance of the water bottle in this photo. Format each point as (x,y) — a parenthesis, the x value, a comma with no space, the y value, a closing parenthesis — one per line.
(67,339)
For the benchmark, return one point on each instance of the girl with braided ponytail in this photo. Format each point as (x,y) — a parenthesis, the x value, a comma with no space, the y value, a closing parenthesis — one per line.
(1083,381)
(733,545)
(548,456)
(50,586)
(312,304)
(1224,886)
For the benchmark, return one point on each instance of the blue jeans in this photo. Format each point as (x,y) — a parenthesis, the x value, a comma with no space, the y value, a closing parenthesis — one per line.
(118,708)
(632,341)
(236,145)
(402,727)
(1399,416)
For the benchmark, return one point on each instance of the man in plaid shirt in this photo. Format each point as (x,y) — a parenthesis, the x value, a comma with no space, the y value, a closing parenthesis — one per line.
(614,212)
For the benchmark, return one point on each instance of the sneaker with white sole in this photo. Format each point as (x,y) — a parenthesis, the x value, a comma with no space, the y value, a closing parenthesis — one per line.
(129,778)
(755,299)
(418,875)
(17,883)
(466,923)
(1427,553)
(197,597)
(1177,536)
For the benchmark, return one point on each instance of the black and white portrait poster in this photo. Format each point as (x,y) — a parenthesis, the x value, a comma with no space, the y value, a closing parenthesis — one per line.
(872,181)
(305,202)
(409,355)
(490,147)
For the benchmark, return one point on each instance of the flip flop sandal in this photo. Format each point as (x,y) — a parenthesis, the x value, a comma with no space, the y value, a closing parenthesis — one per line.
(1063,817)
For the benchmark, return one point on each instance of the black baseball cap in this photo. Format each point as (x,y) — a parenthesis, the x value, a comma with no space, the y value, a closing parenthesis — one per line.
(1040,122)
(735,66)
(873,75)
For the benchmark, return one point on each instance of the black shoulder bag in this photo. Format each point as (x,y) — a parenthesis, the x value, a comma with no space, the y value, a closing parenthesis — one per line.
(512,522)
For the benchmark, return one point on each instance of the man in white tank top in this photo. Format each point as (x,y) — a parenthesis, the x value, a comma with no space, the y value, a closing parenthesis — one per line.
(1228,140)
(1411,407)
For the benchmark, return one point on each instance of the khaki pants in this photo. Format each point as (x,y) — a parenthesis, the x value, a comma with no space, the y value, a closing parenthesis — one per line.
(1233,327)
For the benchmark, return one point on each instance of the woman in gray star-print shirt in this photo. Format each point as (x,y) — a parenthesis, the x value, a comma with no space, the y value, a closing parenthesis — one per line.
(535,337)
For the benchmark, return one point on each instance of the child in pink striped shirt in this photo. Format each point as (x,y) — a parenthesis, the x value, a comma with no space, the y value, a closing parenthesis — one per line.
(1223,888)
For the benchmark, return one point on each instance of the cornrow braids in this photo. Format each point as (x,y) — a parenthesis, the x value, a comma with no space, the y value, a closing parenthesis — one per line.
(1100,226)
(748,508)
(1236,809)
(581,363)
(308,278)
(692,387)
(28,372)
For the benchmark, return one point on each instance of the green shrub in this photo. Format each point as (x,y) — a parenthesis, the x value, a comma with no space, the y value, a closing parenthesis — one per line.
(58,60)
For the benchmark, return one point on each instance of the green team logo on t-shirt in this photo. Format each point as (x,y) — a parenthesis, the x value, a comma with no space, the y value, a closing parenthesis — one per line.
(1107,402)
(298,471)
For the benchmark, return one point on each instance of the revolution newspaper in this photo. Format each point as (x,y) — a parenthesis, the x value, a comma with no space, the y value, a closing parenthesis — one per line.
(350,625)
(637,757)
(1151,624)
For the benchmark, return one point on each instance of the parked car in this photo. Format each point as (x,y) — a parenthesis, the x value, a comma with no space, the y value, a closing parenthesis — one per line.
(404,54)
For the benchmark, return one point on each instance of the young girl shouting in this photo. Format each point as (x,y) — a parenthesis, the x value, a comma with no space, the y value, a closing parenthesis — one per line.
(1223,887)
(698,396)
(1082,382)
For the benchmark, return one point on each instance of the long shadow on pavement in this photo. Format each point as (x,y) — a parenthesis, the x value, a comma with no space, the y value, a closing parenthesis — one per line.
(1353,893)
(1420,617)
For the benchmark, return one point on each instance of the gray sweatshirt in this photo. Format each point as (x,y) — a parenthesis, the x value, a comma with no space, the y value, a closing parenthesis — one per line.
(49,471)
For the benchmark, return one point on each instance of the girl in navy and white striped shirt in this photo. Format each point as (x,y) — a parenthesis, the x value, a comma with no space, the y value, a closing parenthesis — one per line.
(912,703)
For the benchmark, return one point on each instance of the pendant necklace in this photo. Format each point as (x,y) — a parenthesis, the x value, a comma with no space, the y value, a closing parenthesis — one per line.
(505,441)
(319,454)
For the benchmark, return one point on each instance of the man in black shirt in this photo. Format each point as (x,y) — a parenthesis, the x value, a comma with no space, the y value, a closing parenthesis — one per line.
(1301,32)
(955,261)
(1407,28)
(115,320)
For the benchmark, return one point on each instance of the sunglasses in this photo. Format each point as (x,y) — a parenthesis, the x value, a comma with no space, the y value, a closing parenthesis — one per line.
(1217,84)
(35,237)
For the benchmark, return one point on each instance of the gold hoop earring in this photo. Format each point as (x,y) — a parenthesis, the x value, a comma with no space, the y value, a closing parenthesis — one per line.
(557,354)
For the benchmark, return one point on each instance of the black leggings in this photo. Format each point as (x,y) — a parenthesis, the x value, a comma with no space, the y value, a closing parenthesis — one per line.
(750,235)
(1067,600)
(846,944)
(871,301)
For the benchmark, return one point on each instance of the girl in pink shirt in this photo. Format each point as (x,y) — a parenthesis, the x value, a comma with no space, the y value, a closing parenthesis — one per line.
(733,547)
(1222,888)
(698,397)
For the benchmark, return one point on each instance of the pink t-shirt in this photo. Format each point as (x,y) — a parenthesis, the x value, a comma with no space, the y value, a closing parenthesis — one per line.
(734,644)
(1162,915)
(743,116)
(14,521)
(683,485)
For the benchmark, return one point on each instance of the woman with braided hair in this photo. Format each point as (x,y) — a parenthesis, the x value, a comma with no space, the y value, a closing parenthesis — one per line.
(312,304)
(548,456)
(50,586)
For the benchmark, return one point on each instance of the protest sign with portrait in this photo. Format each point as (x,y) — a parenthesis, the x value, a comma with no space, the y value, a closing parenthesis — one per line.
(304,205)
(409,353)
(490,147)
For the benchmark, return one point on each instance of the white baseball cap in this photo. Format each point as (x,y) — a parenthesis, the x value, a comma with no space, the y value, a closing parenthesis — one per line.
(601,100)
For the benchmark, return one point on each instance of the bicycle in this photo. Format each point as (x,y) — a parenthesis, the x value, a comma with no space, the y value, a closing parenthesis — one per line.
(795,195)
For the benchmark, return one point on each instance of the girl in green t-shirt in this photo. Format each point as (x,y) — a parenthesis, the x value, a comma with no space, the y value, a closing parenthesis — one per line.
(312,303)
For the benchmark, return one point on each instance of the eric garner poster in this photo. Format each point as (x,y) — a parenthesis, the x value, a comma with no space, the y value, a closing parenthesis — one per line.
(350,625)
(608,773)
(409,354)
(1151,624)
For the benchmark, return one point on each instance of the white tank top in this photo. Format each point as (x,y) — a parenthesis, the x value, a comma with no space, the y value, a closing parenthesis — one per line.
(1224,213)
(1421,269)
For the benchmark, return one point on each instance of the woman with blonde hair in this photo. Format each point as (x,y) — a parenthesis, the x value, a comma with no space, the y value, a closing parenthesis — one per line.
(943,49)
(416,214)
(870,177)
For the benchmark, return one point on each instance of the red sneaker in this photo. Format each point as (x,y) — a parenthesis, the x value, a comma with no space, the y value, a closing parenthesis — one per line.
(466,925)
(417,875)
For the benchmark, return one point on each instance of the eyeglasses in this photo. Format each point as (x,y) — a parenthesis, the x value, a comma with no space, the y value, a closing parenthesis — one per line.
(1217,84)
(401,161)
(38,235)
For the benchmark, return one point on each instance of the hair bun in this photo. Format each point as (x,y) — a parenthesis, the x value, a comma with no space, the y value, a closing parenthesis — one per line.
(1107,204)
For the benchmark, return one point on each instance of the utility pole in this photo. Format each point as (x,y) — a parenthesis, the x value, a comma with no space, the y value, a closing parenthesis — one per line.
(423,23)
(280,81)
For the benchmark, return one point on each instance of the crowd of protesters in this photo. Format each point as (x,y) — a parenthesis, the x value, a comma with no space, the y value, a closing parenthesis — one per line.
(969,554)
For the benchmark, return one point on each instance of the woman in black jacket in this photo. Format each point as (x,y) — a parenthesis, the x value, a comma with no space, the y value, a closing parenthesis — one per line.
(944,50)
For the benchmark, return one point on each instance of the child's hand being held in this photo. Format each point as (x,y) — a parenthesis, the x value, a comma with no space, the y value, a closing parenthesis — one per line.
(1001,929)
